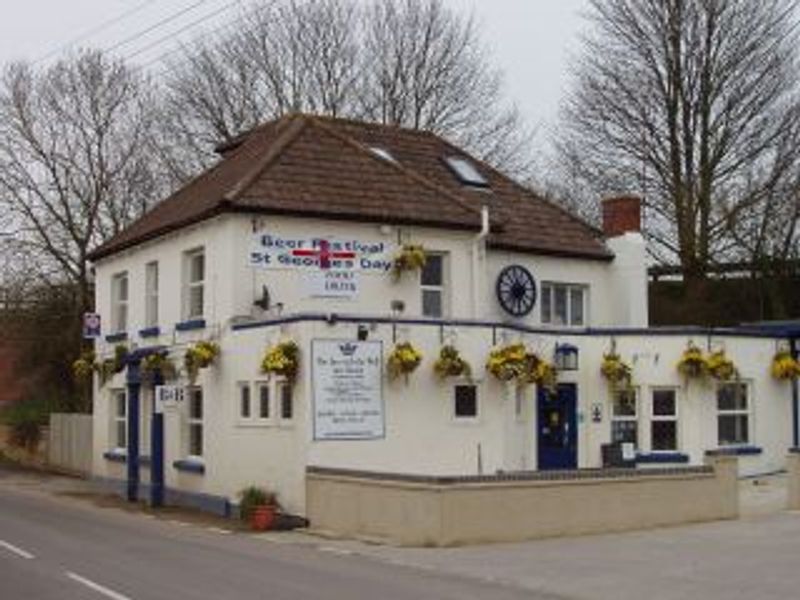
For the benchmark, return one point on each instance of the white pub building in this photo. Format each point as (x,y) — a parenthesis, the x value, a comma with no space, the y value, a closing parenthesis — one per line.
(293,240)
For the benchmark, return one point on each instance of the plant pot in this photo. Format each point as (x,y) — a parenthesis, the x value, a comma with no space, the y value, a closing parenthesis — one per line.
(262,517)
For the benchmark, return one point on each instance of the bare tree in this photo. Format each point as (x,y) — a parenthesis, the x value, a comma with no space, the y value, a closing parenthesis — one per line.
(695,104)
(413,63)
(74,161)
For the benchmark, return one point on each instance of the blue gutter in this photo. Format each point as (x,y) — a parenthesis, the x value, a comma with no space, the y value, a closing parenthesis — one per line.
(334,318)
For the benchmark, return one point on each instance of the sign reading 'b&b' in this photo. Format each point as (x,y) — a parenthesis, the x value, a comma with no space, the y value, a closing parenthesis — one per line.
(272,251)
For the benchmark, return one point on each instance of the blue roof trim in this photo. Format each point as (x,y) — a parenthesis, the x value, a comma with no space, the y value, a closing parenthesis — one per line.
(191,325)
(662,457)
(190,466)
(333,318)
(735,451)
(117,337)
(150,332)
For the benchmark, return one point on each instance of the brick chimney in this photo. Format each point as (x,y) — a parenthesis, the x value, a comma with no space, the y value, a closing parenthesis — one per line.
(621,214)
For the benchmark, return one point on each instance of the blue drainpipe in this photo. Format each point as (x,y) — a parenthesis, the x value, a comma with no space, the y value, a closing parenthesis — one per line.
(134,390)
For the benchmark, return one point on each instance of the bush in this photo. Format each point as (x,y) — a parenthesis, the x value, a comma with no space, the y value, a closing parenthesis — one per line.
(26,419)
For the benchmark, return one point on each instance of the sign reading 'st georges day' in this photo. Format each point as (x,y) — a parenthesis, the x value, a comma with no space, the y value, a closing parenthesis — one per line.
(271,251)
(348,390)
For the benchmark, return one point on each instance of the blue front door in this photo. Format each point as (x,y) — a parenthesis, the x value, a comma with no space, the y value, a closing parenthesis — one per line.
(558,432)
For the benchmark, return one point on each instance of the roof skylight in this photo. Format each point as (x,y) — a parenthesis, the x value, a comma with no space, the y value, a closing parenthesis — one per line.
(383,153)
(466,172)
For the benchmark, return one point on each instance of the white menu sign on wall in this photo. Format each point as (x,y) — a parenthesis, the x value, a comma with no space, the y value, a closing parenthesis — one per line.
(347,377)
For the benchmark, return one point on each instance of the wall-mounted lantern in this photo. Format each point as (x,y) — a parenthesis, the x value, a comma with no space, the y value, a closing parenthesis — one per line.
(566,357)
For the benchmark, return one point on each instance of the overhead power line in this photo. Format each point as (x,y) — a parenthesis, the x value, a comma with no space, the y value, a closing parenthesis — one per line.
(95,30)
(155,26)
(186,27)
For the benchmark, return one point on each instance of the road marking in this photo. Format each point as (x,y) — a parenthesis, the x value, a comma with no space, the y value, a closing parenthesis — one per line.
(16,550)
(100,589)
(219,530)
(332,550)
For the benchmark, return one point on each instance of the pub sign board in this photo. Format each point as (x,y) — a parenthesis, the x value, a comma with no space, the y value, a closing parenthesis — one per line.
(347,378)
(310,253)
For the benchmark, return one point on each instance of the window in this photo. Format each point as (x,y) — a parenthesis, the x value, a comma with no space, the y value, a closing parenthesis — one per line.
(195,274)
(151,294)
(624,417)
(664,421)
(285,395)
(466,401)
(263,401)
(195,423)
(119,302)
(119,433)
(466,172)
(432,282)
(245,409)
(564,304)
(733,414)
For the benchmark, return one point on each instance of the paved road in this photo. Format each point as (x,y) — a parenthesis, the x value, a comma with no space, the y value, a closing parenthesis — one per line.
(53,548)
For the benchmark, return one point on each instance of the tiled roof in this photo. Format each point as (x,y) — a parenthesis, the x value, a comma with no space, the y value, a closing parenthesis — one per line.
(312,166)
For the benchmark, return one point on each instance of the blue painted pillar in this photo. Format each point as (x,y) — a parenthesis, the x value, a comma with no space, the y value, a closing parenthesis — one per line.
(157,451)
(134,390)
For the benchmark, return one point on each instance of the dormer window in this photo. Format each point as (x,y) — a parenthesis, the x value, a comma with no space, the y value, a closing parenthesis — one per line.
(383,153)
(466,172)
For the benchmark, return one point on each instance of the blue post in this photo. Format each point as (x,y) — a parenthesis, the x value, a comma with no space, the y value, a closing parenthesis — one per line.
(157,452)
(134,389)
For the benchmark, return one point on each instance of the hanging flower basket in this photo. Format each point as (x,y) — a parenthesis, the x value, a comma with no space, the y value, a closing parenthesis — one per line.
(282,359)
(410,258)
(109,367)
(84,367)
(785,366)
(545,375)
(618,373)
(509,362)
(158,364)
(199,356)
(451,364)
(403,360)
(693,364)
(721,367)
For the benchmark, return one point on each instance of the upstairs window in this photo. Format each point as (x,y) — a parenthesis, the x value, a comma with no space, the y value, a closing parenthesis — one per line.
(432,285)
(151,294)
(564,304)
(194,283)
(119,302)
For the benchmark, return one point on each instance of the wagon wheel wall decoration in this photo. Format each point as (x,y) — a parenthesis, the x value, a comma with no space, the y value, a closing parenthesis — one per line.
(516,290)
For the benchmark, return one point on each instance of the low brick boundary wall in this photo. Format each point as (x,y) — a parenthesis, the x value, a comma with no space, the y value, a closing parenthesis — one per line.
(448,511)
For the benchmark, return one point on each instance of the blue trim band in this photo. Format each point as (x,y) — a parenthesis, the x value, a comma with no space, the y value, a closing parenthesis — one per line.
(189,466)
(334,318)
(662,457)
(191,325)
(218,505)
(117,337)
(735,451)
(150,332)
(114,456)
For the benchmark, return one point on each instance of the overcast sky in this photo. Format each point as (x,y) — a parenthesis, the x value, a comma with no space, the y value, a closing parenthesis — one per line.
(529,39)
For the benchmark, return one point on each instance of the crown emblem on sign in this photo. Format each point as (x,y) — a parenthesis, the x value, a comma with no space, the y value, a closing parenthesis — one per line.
(348,349)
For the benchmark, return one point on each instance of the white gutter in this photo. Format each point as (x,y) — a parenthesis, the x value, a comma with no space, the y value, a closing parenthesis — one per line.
(477,244)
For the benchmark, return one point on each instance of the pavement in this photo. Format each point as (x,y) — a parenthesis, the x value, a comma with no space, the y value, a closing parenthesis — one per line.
(754,557)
